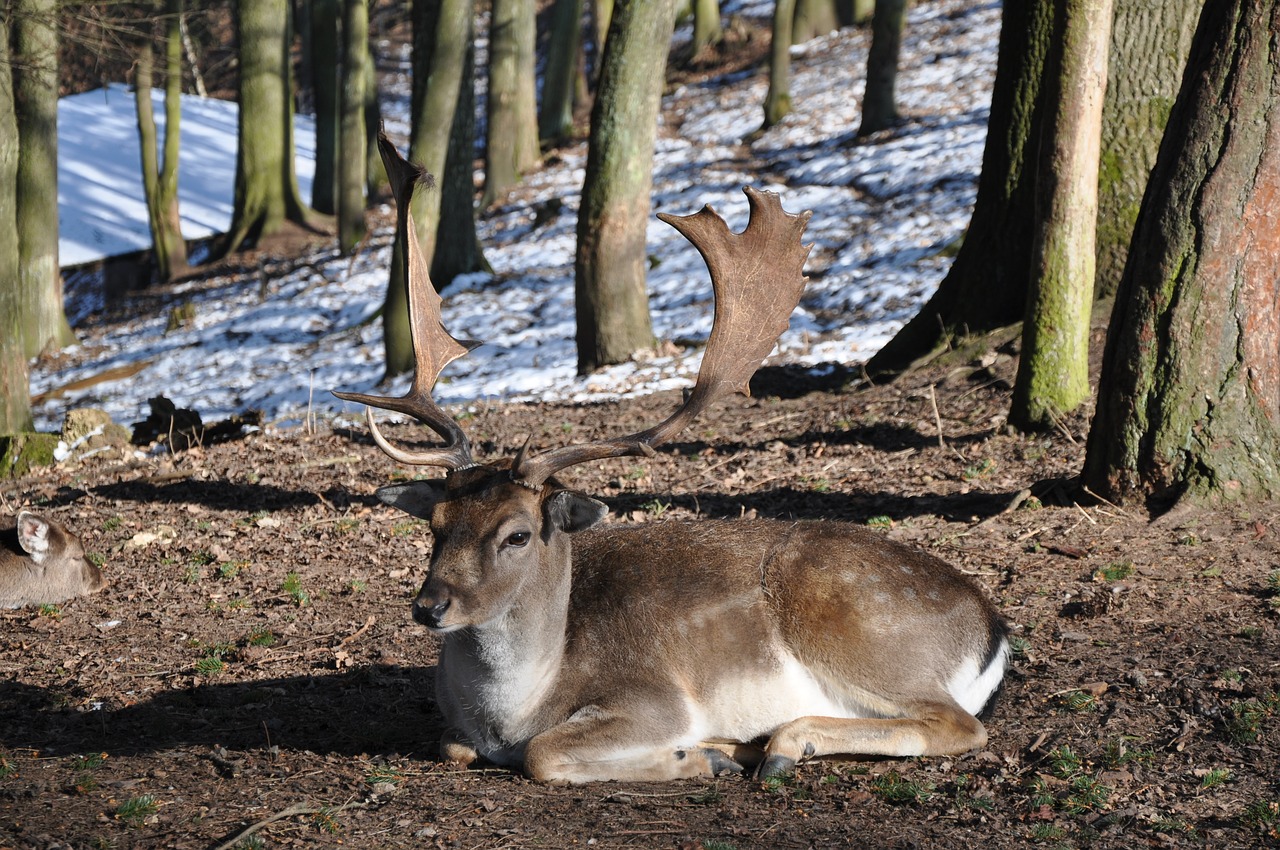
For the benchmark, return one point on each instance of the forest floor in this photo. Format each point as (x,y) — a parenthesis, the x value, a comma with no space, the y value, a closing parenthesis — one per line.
(253,660)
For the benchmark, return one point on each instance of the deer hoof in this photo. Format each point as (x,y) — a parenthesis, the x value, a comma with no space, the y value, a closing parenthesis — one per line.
(775,766)
(721,763)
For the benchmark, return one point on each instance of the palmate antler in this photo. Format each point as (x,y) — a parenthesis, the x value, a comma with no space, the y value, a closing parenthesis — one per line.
(757,277)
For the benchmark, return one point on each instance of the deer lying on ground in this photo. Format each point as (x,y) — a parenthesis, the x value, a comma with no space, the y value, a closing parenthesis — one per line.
(41,562)
(583,652)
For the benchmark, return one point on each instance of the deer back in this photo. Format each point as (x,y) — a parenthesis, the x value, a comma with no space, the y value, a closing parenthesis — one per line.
(42,562)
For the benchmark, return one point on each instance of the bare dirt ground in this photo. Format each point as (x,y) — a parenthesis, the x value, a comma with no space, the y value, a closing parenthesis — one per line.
(253,661)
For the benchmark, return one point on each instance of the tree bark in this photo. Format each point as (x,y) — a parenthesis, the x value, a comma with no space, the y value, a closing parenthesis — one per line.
(986,287)
(15,392)
(814,18)
(34,26)
(1150,40)
(322,45)
(511,143)
(266,190)
(352,158)
(879,104)
(610,263)
(1053,371)
(777,101)
(559,84)
(1189,398)
(707,28)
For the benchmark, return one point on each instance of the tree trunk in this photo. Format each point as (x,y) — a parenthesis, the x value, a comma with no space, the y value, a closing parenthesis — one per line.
(323,49)
(352,159)
(457,249)
(1150,40)
(160,178)
(376,184)
(777,101)
(443,61)
(15,393)
(879,104)
(814,18)
(986,287)
(35,95)
(1189,398)
(559,84)
(610,263)
(266,190)
(1053,372)
(511,146)
(707,28)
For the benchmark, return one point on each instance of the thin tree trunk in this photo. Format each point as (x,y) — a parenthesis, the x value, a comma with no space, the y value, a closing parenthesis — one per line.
(610,263)
(1053,372)
(707,27)
(352,159)
(559,85)
(35,95)
(814,18)
(1189,396)
(777,101)
(323,47)
(879,104)
(511,143)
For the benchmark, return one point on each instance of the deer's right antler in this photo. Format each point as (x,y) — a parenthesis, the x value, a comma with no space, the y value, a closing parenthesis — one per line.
(757,277)
(433,346)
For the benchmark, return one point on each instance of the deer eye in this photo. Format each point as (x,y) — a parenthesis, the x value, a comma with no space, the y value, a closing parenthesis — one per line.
(517,539)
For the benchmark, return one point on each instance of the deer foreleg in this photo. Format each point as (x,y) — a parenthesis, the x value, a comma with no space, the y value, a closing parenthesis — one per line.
(931,729)
(596,744)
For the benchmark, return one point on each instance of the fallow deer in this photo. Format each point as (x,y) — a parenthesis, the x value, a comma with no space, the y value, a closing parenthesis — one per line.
(42,562)
(585,652)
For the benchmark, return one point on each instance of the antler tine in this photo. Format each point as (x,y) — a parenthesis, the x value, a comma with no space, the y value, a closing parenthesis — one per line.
(757,277)
(433,346)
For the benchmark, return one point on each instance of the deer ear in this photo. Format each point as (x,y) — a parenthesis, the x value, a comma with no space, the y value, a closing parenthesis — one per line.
(572,512)
(33,534)
(416,498)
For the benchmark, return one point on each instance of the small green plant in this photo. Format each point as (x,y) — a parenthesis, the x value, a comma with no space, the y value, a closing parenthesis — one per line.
(383,775)
(1047,832)
(260,637)
(1031,503)
(1087,794)
(112,523)
(656,508)
(709,796)
(326,820)
(7,768)
(1019,646)
(893,787)
(292,585)
(1215,777)
(85,781)
(774,784)
(231,569)
(201,558)
(715,844)
(346,525)
(136,810)
(1189,539)
(1065,763)
(983,469)
(53,612)
(250,842)
(209,665)
(406,528)
(880,522)
(1273,581)
(1078,701)
(1115,571)
(357,586)
(819,485)
(1118,753)
(191,575)
(1243,721)
(1262,816)
(96,558)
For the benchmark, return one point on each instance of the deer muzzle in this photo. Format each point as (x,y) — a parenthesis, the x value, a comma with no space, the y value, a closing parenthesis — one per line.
(430,611)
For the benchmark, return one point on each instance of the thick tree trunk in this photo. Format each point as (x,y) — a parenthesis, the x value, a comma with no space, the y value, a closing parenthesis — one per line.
(1150,40)
(707,28)
(15,393)
(266,190)
(1189,399)
(879,104)
(610,264)
(559,84)
(511,144)
(814,18)
(777,101)
(35,94)
(352,159)
(1053,372)
(322,45)
(986,287)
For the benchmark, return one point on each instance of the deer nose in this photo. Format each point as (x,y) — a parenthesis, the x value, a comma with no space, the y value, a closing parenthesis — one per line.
(430,614)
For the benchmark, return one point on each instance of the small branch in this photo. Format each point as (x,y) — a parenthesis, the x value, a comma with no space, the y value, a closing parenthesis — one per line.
(295,809)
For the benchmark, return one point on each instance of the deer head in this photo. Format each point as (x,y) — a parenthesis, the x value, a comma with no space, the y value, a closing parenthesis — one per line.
(41,562)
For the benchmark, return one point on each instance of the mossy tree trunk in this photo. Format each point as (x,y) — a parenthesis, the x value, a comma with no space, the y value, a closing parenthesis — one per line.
(610,264)
(708,30)
(560,80)
(160,164)
(352,141)
(879,103)
(34,29)
(777,101)
(986,287)
(15,393)
(814,18)
(511,141)
(1150,40)
(1053,372)
(1189,398)
(266,186)
(443,62)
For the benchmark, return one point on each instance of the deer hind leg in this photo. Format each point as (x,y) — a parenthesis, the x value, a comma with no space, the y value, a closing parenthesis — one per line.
(597,744)
(925,729)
